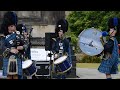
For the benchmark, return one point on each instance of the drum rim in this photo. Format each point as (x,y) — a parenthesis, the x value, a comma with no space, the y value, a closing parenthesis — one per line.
(34,73)
(65,70)
(29,65)
(60,61)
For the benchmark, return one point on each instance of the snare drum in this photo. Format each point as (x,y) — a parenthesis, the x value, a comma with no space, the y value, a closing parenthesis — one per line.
(29,68)
(62,64)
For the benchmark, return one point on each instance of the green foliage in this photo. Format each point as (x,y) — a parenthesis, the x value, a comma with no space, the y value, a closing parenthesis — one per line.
(74,40)
(90,59)
(81,20)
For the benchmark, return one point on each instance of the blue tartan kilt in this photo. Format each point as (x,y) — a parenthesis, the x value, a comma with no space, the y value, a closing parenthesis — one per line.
(5,66)
(108,66)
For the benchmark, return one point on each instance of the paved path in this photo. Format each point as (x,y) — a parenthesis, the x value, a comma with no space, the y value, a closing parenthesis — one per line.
(1,76)
(85,73)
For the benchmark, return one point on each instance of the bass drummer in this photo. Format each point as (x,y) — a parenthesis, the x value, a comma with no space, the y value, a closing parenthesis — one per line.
(109,64)
(61,45)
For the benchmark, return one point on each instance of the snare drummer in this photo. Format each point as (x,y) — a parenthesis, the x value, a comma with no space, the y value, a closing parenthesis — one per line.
(109,64)
(10,21)
(61,46)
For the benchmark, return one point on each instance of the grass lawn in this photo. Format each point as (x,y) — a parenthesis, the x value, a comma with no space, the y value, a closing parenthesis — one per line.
(90,65)
(87,65)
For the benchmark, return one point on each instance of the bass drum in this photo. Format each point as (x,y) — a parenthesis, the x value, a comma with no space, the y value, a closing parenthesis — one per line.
(89,41)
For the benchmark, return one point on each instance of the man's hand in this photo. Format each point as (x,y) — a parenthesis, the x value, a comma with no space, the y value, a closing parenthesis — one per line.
(19,47)
(15,51)
(56,56)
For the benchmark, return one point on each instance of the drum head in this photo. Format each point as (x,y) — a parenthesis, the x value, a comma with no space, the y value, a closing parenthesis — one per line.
(60,60)
(26,64)
(89,41)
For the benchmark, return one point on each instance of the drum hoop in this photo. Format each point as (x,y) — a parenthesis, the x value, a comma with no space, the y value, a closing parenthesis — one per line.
(60,61)
(34,73)
(65,70)
(28,66)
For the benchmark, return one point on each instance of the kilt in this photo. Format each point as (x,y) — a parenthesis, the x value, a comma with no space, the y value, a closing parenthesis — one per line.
(110,66)
(5,66)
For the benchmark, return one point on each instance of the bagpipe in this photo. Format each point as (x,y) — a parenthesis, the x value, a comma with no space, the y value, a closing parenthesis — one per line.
(27,38)
(12,41)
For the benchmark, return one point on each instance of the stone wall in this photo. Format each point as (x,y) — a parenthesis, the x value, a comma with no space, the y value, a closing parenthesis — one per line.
(40,21)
